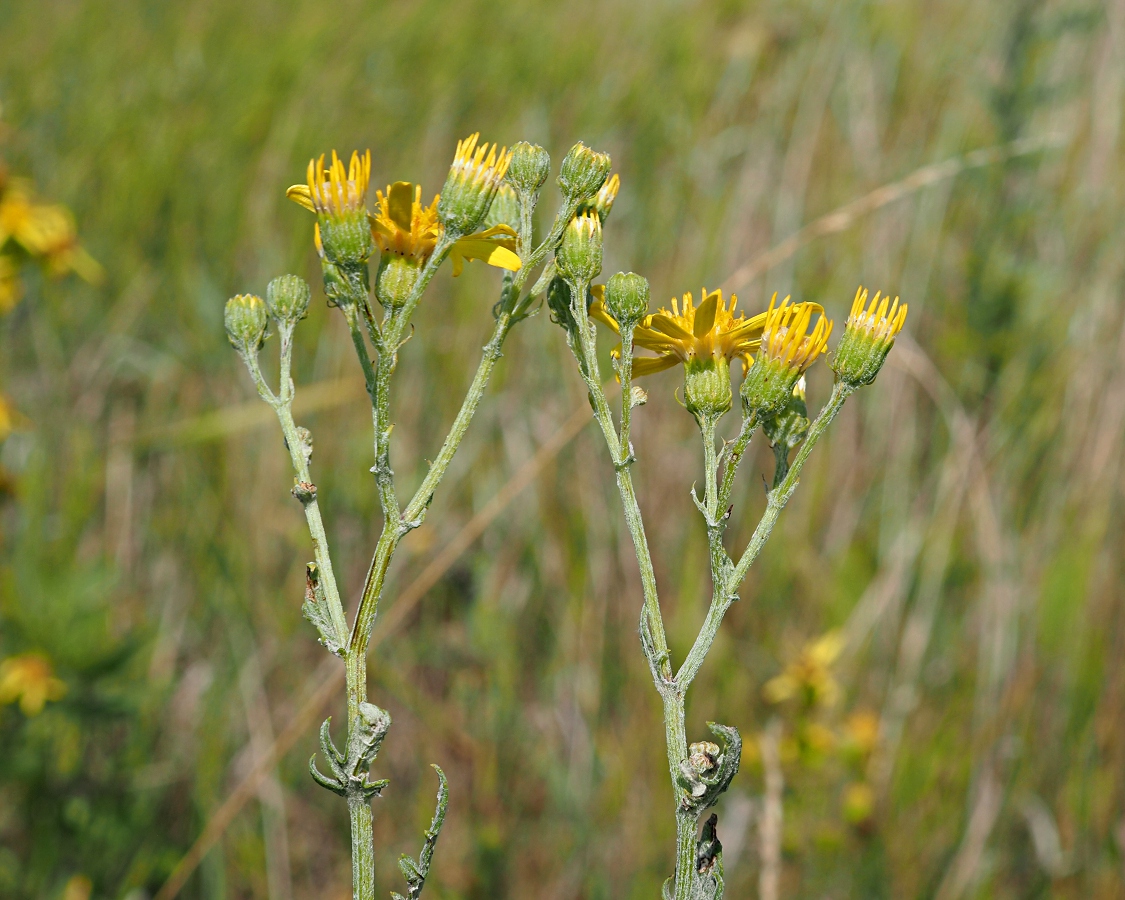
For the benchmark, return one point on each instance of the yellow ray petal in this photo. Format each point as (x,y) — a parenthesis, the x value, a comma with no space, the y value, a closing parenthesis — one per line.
(400,203)
(645,365)
(300,193)
(705,315)
(490,252)
(666,325)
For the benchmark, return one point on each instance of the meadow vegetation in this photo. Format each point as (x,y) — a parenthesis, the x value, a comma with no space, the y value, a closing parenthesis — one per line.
(925,665)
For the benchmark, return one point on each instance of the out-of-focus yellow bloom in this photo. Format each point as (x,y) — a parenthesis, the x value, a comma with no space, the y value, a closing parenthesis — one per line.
(785,338)
(78,887)
(7,418)
(861,731)
(10,287)
(859,802)
(29,679)
(809,677)
(689,332)
(45,231)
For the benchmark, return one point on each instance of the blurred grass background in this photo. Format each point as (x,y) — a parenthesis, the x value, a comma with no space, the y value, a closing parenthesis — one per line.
(963,525)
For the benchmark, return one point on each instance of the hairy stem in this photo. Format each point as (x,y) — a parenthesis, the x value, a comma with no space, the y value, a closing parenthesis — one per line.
(775,503)
(413,515)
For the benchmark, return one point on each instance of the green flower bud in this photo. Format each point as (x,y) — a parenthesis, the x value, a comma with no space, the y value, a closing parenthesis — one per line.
(583,172)
(707,393)
(246,319)
(786,428)
(868,337)
(395,279)
(579,257)
(473,178)
(505,209)
(529,168)
(287,297)
(626,298)
(346,238)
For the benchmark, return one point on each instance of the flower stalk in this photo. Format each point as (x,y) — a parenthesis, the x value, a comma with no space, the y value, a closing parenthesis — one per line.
(408,242)
(775,348)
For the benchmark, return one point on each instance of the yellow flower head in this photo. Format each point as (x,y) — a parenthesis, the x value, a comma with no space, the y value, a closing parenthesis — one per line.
(689,332)
(402,225)
(869,335)
(30,680)
(338,196)
(785,337)
(334,191)
(877,321)
(472,182)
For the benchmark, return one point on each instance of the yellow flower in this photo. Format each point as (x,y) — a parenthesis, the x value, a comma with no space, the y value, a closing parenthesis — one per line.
(785,338)
(403,226)
(334,191)
(46,232)
(471,184)
(878,322)
(868,337)
(30,680)
(689,332)
(809,677)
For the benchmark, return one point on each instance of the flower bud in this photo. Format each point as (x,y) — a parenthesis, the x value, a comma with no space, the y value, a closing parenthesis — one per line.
(787,350)
(579,257)
(868,337)
(626,298)
(505,209)
(529,168)
(473,178)
(246,319)
(395,280)
(787,426)
(602,201)
(583,172)
(287,297)
(707,393)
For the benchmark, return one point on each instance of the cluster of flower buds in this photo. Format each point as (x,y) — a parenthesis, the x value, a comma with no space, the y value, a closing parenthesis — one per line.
(247,316)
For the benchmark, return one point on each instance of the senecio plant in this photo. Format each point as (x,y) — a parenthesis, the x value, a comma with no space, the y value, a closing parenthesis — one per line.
(485,212)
